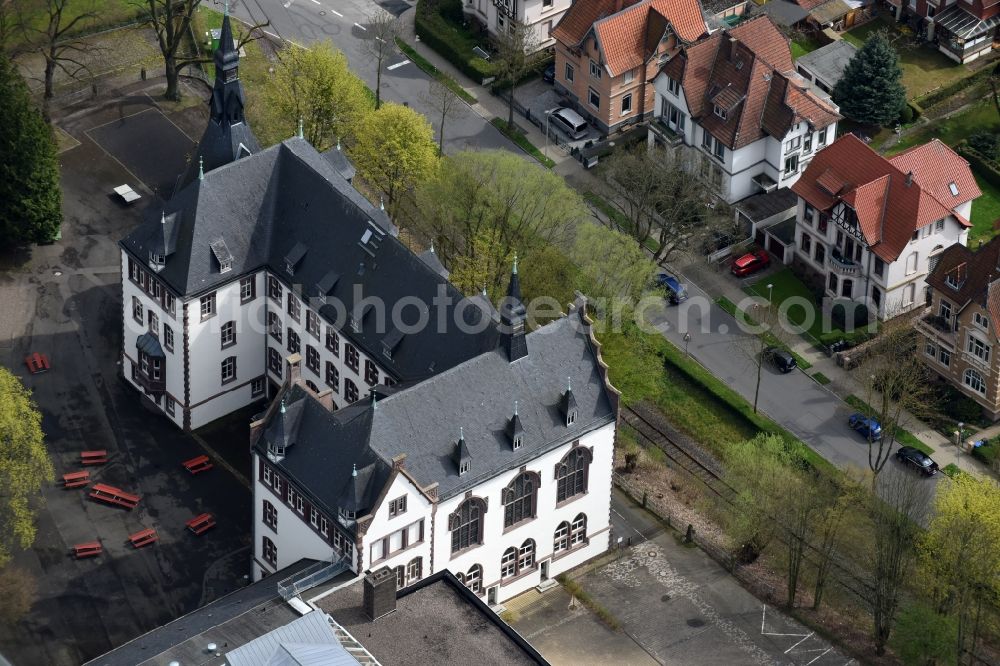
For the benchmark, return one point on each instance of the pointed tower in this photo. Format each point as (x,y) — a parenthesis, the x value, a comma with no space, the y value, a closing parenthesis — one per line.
(227,137)
(512,318)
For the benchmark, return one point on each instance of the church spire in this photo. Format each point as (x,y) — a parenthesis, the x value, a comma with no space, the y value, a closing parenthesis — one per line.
(512,319)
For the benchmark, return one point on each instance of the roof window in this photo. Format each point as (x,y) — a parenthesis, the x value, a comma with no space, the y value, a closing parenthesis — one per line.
(222,255)
(954,189)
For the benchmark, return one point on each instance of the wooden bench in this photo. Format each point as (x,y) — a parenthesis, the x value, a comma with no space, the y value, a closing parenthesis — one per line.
(76,479)
(143,538)
(37,363)
(113,495)
(201,524)
(89,549)
(198,464)
(97,457)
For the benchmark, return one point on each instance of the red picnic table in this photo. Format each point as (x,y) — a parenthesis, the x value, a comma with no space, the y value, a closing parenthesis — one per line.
(89,549)
(37,363)
(143,538)
(201,524)
(96,457)
(112,495)
(76,479)
(198,464)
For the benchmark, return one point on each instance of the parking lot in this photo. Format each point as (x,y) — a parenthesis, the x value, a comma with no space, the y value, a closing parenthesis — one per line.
(64,300)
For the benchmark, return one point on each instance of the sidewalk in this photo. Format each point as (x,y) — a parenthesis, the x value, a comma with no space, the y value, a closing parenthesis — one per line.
(842,382)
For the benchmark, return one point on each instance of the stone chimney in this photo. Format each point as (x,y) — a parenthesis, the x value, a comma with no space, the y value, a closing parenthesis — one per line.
(732,48)
(294,362)
(379,596)
(325,398)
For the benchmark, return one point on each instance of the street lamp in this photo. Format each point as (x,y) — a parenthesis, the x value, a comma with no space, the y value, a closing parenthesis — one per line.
(769,288)
(958,456)
(687,339)
(547,115)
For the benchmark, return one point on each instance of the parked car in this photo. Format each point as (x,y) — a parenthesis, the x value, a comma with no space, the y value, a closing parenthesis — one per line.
(751,262)
(918,459)
(676,292)
(868,427)
(570,122)
(781,359)
(549,75)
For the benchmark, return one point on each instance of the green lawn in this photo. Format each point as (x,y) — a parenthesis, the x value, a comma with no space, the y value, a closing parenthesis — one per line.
(821,378)
(985,211)
(979,118)
(903,437)
(924,67)
(802,45)
(520,139)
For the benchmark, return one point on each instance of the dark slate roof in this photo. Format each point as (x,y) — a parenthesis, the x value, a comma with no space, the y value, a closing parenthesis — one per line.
(783,12)
(430,258)
(338,160)
(477,396)
(287,197)
(768,204)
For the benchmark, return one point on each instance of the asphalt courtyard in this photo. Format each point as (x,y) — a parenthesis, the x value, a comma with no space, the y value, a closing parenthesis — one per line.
(64,300)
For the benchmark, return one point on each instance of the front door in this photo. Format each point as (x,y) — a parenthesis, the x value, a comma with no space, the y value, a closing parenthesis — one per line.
(491,596)
(545,571)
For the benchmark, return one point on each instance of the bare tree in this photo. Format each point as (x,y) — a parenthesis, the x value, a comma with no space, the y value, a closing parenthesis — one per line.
(380,43)
(440,98)
(662,202)
(171,21)
(517,52)
(764,336)
(828,530)
(895,386)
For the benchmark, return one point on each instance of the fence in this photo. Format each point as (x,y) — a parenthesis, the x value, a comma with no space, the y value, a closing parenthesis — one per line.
(310,577)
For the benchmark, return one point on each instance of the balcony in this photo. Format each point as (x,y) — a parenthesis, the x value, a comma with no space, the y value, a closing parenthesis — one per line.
(935,327)
(666,132)
(843,266)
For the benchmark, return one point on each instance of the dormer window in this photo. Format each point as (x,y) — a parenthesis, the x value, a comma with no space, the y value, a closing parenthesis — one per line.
(464,468)
(518,441)
(294,257)
(568,404)
(719,111)
(222,255)
(157,259)
(348,515)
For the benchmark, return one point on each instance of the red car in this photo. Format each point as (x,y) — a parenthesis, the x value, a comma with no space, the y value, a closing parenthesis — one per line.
(751,262)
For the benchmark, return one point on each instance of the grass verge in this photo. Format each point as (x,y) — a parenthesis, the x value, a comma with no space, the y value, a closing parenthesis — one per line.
(616,216)
(952,471)
(521,140)
(904,437)
(576,590)
(424,64)
(821,378)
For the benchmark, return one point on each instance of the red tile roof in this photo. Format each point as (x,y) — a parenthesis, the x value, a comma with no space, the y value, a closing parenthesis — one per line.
(748,72)
(890,204)
(975,274)
(937,167)
(622,33)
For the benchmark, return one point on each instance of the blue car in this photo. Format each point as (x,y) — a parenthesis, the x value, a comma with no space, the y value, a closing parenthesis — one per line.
(868,427)
(676,292)
(549,75)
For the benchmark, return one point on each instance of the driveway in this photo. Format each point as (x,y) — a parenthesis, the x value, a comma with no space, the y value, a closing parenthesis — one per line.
(811,412)
(64,300)
(675,604)
(342,22)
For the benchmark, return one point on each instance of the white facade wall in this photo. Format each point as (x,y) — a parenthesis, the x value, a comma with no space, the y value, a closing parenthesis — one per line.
(295,538)
(541,15)
(766,155)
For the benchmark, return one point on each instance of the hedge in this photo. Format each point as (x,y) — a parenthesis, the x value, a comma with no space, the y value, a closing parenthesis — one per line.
(981,164)
(452,43)
(949,90)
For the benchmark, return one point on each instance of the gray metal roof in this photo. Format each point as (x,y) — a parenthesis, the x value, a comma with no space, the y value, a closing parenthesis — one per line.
(762,206)
(828,62)
(307,641)
(423,422)
(783,12)
(272,205)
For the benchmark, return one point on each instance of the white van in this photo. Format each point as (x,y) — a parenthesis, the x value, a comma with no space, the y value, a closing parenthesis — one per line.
(570,122)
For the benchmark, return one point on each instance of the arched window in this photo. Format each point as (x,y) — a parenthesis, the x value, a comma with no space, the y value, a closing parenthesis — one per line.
(269,551)
(578,532)
(508,563)
(571,474)
(414,570)
(519,499)
(561,540)
(466,524)
(526,556)
(474,579)
(975,381)
(312,387)
(400,576)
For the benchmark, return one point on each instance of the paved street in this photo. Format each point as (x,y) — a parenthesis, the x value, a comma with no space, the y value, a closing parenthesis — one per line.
(308,21)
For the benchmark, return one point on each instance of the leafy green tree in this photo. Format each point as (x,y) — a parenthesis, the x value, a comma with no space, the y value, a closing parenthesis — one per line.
(612,266)
(316,85)
(395,151)
(24,464)
(871,90)
(517,52)
(30,200)
(521,207)
(924,637)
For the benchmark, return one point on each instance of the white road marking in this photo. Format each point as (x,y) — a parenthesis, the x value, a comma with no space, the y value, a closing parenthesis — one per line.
(799,643)
(361,26)
(380,39)
(315,2)
(287,4)
(398,64)
(334,11)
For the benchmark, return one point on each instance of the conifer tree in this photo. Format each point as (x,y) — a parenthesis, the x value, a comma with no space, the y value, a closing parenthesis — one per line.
(871,91)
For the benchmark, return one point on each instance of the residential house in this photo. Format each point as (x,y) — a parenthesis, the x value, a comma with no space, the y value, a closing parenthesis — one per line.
(608,51)
(733,109)
(498,470)
(273,254)
(962,29)
(835,15)
(498,16)
(959,327)
(871,228)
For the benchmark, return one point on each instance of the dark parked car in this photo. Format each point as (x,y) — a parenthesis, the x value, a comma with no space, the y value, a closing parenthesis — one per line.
(918,459)
(549,75)
(751,262)
(780,358)
(676,292)
(868,427)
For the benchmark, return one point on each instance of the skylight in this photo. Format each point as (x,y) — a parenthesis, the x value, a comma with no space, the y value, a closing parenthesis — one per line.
(954,189)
